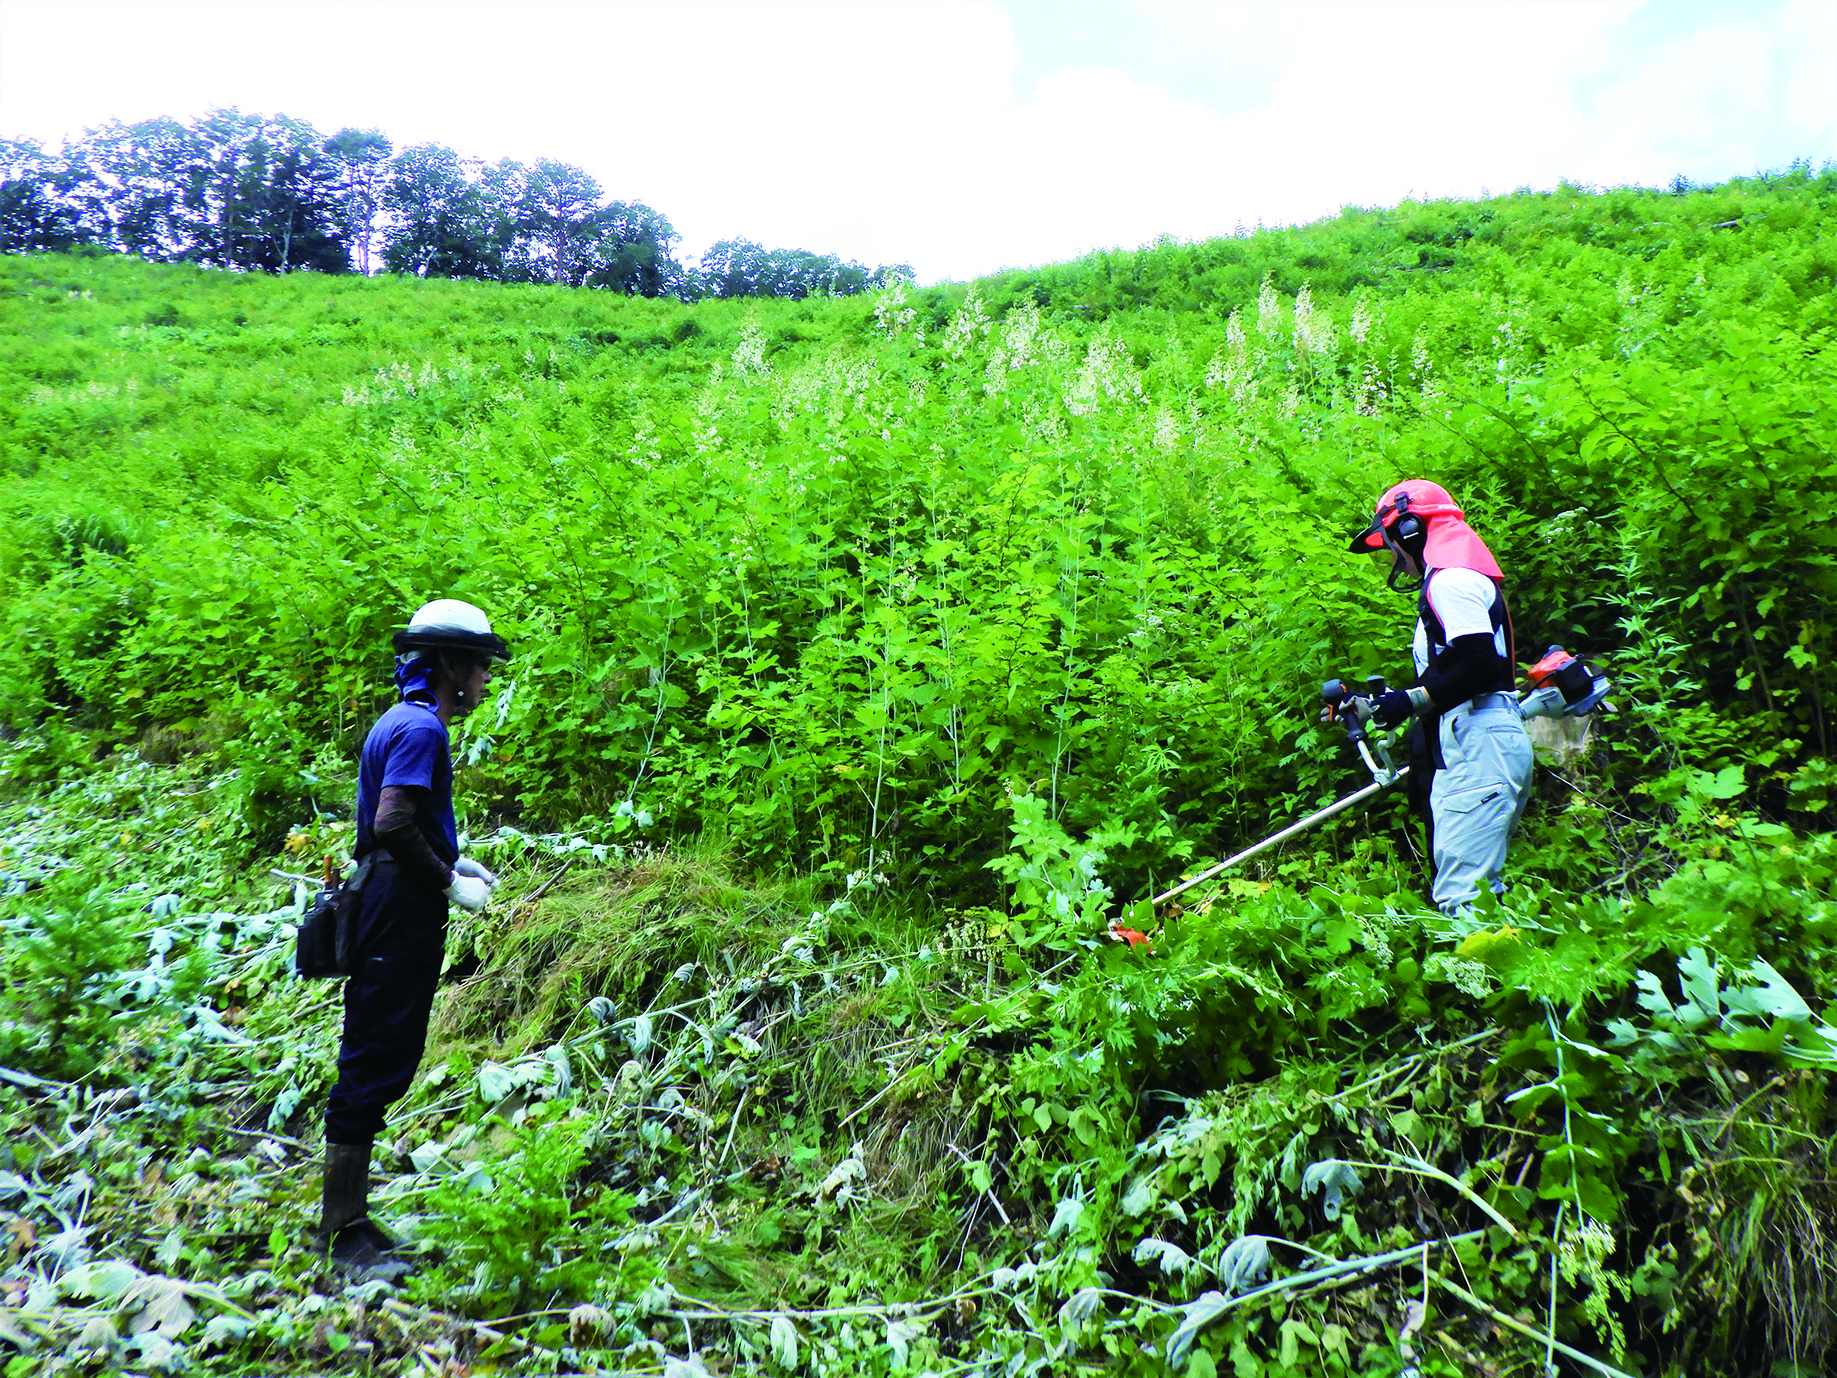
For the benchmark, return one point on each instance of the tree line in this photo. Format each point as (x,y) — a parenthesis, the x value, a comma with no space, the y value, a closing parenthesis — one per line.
(273,194)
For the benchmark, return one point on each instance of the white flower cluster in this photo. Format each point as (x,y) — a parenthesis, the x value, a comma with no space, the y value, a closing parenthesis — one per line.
(967,328)
(1363,318)
(1234,370)
(395,381)
(1166,432)
(1107,372)
(1314,334)
(1422,367)
(893,317)
(749,354)
(1025,339)
(1269,310)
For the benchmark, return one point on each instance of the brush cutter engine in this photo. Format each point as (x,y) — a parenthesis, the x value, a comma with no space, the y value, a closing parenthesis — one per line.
(1563,686)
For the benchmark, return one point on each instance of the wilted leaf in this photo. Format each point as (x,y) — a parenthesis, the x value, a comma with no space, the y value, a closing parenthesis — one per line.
(844,1172)
(900,1335)
(564,1072)
(105,1280)
(602,1009)
(1169,1258)
(158,1303)
(638,1038)
(784,1341)
(1080,1307)
(1196,1315)
(1244,1263)
(1070,1211)
(1141,1195)
(1336,1179)
(225,1327)
(496,1081)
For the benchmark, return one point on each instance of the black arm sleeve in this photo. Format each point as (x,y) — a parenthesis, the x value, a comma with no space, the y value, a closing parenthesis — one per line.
(397,830)
(1469,666)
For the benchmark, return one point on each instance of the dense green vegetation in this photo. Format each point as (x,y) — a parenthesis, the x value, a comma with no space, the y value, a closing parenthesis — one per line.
(874,655)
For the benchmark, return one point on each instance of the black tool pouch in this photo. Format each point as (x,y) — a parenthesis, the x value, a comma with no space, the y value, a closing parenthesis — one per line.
(325,945)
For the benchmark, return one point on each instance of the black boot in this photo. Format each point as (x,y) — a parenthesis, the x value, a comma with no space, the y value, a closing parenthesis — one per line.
(357,1245)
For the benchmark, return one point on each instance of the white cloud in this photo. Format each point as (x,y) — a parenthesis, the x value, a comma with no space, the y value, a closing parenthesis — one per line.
(893,131)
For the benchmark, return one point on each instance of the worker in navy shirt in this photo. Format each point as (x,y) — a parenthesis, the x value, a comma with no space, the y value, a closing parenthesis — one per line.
(408,845)
(1464,692)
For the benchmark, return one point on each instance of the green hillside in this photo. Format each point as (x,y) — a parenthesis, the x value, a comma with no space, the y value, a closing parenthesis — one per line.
(873,655)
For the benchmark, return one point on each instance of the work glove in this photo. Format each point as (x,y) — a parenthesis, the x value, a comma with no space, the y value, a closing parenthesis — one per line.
(1392,707)
(465,866)
(468,892)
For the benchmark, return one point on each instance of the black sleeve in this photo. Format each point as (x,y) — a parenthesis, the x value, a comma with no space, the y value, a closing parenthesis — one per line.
(399,832)
(1469,666)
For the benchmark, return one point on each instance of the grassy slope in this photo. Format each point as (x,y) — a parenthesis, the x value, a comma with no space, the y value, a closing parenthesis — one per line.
(880,1125)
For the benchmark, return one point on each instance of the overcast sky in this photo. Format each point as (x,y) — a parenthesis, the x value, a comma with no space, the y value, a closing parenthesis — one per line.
(963,137)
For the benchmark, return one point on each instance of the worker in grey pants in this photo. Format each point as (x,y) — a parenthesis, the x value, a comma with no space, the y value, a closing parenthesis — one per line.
(1464,691)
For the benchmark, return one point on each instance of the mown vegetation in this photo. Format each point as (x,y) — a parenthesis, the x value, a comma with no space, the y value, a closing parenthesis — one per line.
(874,656)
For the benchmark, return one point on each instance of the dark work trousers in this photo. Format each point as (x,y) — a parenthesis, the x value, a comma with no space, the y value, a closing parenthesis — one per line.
(401,943)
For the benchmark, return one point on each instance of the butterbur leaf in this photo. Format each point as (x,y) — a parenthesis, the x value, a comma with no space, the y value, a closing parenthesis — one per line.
(1244,1263)
(1335,1179)
(1169,1258)
(1195,1316)
(784,1341)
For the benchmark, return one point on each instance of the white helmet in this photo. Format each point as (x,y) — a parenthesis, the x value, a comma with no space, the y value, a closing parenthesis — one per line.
(447,623)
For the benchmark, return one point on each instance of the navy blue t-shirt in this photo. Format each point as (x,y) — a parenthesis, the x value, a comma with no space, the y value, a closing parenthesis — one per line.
(408,746)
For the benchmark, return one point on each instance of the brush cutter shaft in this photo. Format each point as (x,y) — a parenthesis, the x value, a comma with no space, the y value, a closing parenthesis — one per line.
(1285,834)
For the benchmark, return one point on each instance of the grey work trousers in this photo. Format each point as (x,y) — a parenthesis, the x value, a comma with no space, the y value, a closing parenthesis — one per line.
(1477,796)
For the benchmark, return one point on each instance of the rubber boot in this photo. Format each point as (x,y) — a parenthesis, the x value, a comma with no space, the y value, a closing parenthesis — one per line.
(358,1246)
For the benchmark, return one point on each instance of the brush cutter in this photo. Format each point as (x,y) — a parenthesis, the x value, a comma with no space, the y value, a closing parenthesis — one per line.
(1561,685)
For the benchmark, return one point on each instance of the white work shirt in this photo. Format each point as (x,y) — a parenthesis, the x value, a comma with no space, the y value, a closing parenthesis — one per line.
(1463,600)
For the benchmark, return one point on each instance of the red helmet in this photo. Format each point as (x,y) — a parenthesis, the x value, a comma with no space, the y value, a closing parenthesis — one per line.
(1414,497)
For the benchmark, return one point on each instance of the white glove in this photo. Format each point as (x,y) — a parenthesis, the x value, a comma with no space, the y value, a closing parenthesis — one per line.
(468,892)
(465,866)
